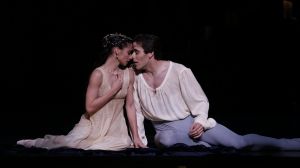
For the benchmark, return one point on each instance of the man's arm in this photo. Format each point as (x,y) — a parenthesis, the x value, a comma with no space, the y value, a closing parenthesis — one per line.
(139,115)
(197,102)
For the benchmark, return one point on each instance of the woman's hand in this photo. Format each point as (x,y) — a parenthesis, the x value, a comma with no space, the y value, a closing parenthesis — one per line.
(117,82)
(138,143)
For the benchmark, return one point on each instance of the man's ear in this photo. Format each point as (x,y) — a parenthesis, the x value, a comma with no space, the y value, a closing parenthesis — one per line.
(151,55)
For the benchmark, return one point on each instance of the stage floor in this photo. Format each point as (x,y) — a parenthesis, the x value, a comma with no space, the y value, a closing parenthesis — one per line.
(177,156)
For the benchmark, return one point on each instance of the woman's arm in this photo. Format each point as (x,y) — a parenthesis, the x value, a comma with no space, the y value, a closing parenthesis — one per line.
(131,113)
(94,102)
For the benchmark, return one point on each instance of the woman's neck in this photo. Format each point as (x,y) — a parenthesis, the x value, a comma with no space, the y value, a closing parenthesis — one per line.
(111,65)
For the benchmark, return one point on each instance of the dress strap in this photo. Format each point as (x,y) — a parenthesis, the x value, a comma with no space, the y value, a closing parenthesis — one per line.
(126,78)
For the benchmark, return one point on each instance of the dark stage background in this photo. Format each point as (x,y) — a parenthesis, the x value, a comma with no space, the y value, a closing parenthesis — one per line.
(243,53)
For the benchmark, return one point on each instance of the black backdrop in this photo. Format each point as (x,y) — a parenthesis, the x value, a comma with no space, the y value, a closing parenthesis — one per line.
(243,53)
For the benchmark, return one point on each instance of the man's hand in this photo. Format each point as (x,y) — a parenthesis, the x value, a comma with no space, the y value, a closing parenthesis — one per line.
(196,130)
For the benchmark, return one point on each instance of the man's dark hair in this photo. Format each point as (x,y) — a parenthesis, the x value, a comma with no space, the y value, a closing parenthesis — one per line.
(150,43)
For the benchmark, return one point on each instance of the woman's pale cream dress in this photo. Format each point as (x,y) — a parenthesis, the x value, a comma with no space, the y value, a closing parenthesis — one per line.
(105,130)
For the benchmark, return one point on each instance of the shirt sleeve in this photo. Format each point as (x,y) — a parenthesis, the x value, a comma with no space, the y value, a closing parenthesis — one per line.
(139,115)
(195,98)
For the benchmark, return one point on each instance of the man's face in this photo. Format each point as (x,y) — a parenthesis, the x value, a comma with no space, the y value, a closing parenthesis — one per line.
(140,59)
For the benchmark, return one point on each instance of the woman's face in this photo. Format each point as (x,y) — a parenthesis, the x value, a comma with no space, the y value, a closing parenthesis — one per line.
(124,55)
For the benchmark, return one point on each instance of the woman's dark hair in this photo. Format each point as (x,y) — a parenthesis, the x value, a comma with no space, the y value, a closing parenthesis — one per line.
(108,42)
(150,43)
(114,40)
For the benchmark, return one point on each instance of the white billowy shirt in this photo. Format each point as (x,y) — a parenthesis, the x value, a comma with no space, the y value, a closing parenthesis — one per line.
(178,96)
